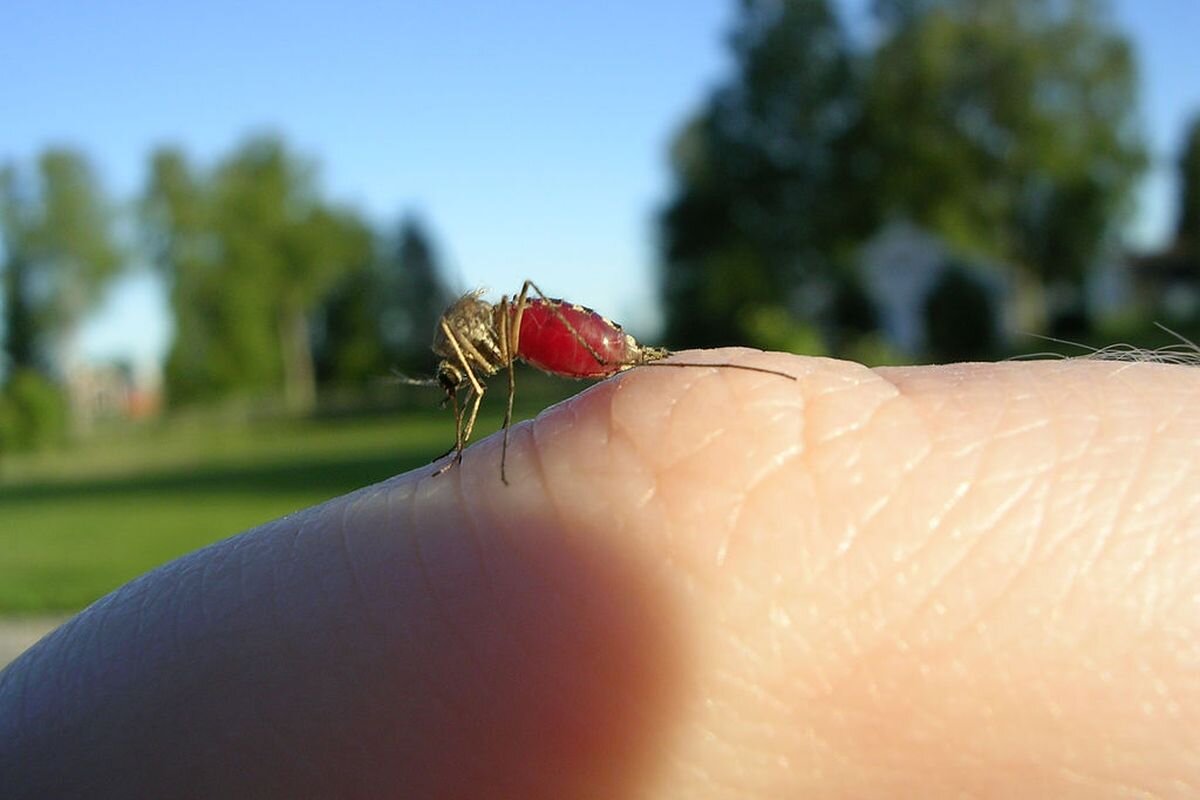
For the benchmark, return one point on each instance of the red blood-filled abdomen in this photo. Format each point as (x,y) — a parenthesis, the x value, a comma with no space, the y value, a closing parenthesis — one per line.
(549,345)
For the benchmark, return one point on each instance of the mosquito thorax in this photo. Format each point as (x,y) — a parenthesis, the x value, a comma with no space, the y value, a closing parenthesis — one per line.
(472,322)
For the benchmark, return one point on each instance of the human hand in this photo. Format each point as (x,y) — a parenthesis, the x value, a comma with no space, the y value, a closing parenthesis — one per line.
(974,580)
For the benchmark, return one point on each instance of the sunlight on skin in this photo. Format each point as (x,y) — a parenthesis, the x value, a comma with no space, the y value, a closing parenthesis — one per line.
(973,580)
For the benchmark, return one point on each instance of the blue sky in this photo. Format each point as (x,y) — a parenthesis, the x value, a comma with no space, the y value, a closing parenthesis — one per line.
(531,136)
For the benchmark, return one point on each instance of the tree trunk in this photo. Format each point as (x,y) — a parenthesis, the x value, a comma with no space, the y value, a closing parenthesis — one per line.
(299,379)
(20,329)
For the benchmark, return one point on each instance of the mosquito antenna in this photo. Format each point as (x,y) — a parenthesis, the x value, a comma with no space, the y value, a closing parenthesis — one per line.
(406,380)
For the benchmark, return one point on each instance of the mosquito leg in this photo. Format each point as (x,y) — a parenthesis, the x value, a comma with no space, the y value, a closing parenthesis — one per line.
(462,433)
(508,346)
(518,314)
(463,361)
(475,400)
(459,440)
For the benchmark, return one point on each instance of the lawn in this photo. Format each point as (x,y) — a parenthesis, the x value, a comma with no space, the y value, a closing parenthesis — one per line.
(76,524)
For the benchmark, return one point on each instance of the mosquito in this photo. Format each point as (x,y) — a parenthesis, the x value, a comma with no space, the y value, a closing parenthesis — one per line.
(476,339)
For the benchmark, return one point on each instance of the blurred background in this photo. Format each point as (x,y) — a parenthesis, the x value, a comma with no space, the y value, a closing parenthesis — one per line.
(223,227)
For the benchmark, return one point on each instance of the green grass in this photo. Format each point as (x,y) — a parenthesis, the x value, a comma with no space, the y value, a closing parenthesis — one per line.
(76,524)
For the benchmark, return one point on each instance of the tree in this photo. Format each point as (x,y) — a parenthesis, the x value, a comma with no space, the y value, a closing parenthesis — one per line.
(769,191)
(274,228)
(216,350)
(1006,127)
(250,251)
(1187,231)
(960,317)
(1003,126)
(420,297)
(59,254)
(382,319)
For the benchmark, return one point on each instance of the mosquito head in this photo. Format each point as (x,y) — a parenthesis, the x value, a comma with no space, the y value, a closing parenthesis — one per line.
(450,377)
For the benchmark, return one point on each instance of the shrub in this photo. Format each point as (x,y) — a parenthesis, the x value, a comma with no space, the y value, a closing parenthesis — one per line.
(33,412)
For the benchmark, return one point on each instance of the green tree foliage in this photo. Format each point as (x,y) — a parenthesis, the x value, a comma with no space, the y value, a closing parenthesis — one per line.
(1187,231)
(420,297)
(213,352)
(33,412)
(769,180)
(250,250)
(382,319)
(348,346)
(59,254)
(1006,126)
(961,317)
(1003,126)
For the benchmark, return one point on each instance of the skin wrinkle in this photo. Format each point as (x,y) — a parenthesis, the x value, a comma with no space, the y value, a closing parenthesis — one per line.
(512,632)
(672,399)
(871,589)
(1067,537)
(1098,784)
(278,616)
(774,466)
(1136,574)
(842,551)
(1107,535)
(236,564)
(1124,491)
(658,467)
(575,599)
(1189,593)
(564,689)
(535,450)
(938,517)
(1133,388)
(172,599)
(647,497)
(141,611)
(276,730)
(865,517)
(851,426)
(1003,594)
(695,448)
(434,690)
(205,582)
(1052,550)
(227,564)
(937,587)
(344,547)
(619,430)
(448,623)
(910,557)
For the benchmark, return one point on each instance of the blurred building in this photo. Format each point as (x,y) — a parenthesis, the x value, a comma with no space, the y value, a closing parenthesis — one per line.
(903,264)
(1167,284)
(113,391)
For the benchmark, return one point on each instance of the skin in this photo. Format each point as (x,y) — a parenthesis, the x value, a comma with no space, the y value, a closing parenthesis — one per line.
(967,581)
